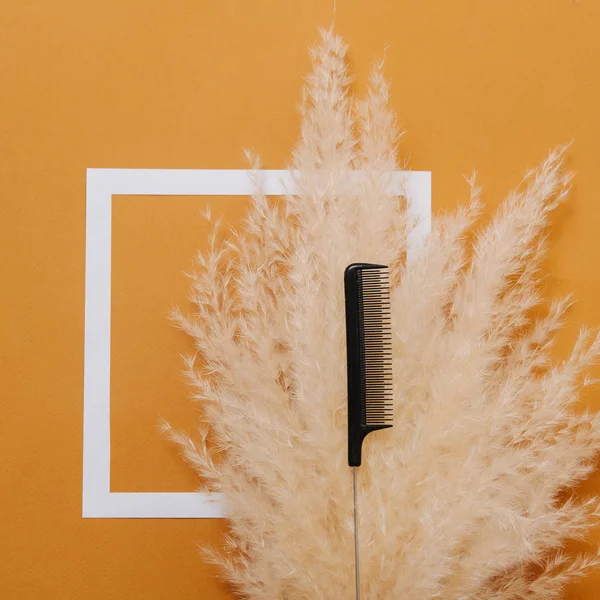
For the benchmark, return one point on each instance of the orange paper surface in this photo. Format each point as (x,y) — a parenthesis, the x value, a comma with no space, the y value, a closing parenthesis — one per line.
(187,84)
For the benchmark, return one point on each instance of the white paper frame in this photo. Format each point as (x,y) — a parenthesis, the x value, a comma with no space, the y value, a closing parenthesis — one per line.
(98,500)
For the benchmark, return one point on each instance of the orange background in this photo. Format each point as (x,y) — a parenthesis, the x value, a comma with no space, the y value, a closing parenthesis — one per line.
(483,84)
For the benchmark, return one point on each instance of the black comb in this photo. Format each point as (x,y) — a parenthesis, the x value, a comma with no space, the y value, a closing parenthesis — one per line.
(369,353)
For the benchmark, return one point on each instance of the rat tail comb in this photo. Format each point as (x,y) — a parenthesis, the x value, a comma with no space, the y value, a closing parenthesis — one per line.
(369,354)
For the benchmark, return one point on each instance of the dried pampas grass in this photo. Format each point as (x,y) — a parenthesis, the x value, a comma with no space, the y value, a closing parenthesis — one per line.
(466,497)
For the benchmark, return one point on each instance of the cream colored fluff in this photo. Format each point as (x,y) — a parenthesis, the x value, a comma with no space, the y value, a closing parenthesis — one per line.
(461,498)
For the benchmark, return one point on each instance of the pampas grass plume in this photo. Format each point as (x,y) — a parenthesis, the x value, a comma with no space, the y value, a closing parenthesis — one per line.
(467,496)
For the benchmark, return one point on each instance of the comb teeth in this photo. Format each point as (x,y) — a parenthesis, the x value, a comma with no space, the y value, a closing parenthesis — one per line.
(375,347)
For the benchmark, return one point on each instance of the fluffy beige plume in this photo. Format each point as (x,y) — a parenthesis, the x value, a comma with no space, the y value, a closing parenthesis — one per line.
(464,498)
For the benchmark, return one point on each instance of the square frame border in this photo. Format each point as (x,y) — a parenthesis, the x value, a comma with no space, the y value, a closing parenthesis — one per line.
(101,184)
